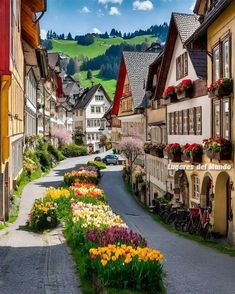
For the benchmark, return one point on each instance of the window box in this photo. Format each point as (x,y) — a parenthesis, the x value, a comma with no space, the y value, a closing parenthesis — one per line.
(196,158)
(220,92)
(176,158)
(185,89)
(169,94)
(174,152)
(218,148)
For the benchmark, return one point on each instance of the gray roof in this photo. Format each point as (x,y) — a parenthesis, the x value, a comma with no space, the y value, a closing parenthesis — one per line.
(199,61)
(186,24)
(137,65)
(88,94)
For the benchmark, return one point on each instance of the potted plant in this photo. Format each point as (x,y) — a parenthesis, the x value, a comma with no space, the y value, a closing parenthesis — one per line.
(147,147)
(186,152)
(184,89)
(196,151)
(157,150)
(169,94)
(218,148)
(223,87)
(174,152)
(211,91)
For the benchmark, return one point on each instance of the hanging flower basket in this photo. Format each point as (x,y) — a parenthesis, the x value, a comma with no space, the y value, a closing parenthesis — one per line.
(185,89)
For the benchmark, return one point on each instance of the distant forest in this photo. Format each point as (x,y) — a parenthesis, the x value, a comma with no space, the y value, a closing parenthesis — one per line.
(108,63)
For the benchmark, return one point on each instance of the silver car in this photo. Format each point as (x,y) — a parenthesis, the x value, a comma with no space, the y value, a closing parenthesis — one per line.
(110,159)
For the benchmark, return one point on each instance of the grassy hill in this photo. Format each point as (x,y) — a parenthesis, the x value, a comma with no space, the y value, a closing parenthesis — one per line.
(72,49)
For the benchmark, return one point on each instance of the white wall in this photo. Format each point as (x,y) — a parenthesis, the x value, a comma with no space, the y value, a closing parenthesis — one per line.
(205,102)
(171,78)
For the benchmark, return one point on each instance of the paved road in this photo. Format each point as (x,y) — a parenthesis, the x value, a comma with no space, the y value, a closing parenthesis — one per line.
(191,268)
(33,263)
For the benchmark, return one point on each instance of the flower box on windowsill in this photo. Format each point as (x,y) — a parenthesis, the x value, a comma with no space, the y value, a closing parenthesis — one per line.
(171,98)
(223,155)
(223,92)
(157,152)
(196,158)
(175,157)
(187,93)
(211,94)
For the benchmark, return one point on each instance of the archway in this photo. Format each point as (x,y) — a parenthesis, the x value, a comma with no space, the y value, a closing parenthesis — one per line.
(206,191)
(222,204)
(181,187)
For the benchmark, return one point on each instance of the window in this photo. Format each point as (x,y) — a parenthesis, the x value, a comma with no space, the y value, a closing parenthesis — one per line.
(88,136)
(191,121)
(226,118)
(216,63)
(176,123)
(81,112)
(199,120)
(182,66)
(92,109)
(222,59)
(216,118)
(196,187)
(226,57)
(185,122)
(93,136)
(172,125)
(99,97)
(98,109)
(180,122)
(89,123)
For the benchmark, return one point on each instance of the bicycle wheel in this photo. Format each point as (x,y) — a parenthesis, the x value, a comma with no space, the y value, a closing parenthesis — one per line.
(206,231)
(171,218)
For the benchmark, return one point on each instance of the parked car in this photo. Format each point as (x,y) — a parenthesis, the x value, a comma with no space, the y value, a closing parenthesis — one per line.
(111,159)
(97,158)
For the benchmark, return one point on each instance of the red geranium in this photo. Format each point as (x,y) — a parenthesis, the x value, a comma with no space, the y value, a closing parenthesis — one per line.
(174,148)
(169,91)
(211,88)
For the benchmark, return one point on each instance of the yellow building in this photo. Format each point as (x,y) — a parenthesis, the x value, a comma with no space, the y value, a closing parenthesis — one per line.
(214,181)
(16,21)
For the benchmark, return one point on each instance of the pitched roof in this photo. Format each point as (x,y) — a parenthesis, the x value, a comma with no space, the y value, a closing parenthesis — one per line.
(137,64)
(53,60)
(186,24)
(181,24)
(199,61)
(88,94)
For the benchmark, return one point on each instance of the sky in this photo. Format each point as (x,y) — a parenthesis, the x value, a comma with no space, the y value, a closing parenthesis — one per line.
(87,16)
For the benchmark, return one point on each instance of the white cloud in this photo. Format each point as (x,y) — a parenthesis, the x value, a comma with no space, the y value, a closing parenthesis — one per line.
(85,9)
(100,13)
(43,34)
(110,1)
(142,5)
(114,11)
(96,31)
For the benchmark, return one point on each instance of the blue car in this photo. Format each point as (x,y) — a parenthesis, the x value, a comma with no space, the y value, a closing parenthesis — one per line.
(111,159)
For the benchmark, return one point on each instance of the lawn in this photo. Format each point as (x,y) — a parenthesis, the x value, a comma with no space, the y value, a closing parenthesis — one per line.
(97,48)
(109,85)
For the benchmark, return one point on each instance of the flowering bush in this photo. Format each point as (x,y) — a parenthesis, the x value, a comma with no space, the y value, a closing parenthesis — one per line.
(115,235)
(83,175)
(125,267)
(95,216)
(169,91)
(43,215)
(174,148)
(87,190)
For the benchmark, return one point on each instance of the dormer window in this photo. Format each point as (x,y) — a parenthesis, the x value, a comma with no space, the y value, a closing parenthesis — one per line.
(182,66)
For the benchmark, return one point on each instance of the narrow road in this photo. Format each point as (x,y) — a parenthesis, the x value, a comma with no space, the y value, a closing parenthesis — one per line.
(34,263)
(191,268)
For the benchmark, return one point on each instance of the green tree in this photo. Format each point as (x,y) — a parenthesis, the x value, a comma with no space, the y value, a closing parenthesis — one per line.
(71,67)
(89,75)
(69,37)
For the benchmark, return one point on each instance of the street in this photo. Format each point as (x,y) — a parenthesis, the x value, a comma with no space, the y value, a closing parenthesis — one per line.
(37,263)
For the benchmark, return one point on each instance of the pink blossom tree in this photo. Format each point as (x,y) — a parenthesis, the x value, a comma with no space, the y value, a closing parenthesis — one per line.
(63,136)
(131,147)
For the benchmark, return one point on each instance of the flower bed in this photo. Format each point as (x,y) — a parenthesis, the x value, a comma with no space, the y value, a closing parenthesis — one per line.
(83,175)
(111,254)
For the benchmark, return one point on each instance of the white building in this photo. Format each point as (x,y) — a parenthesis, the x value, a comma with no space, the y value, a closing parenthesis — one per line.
(88,115)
